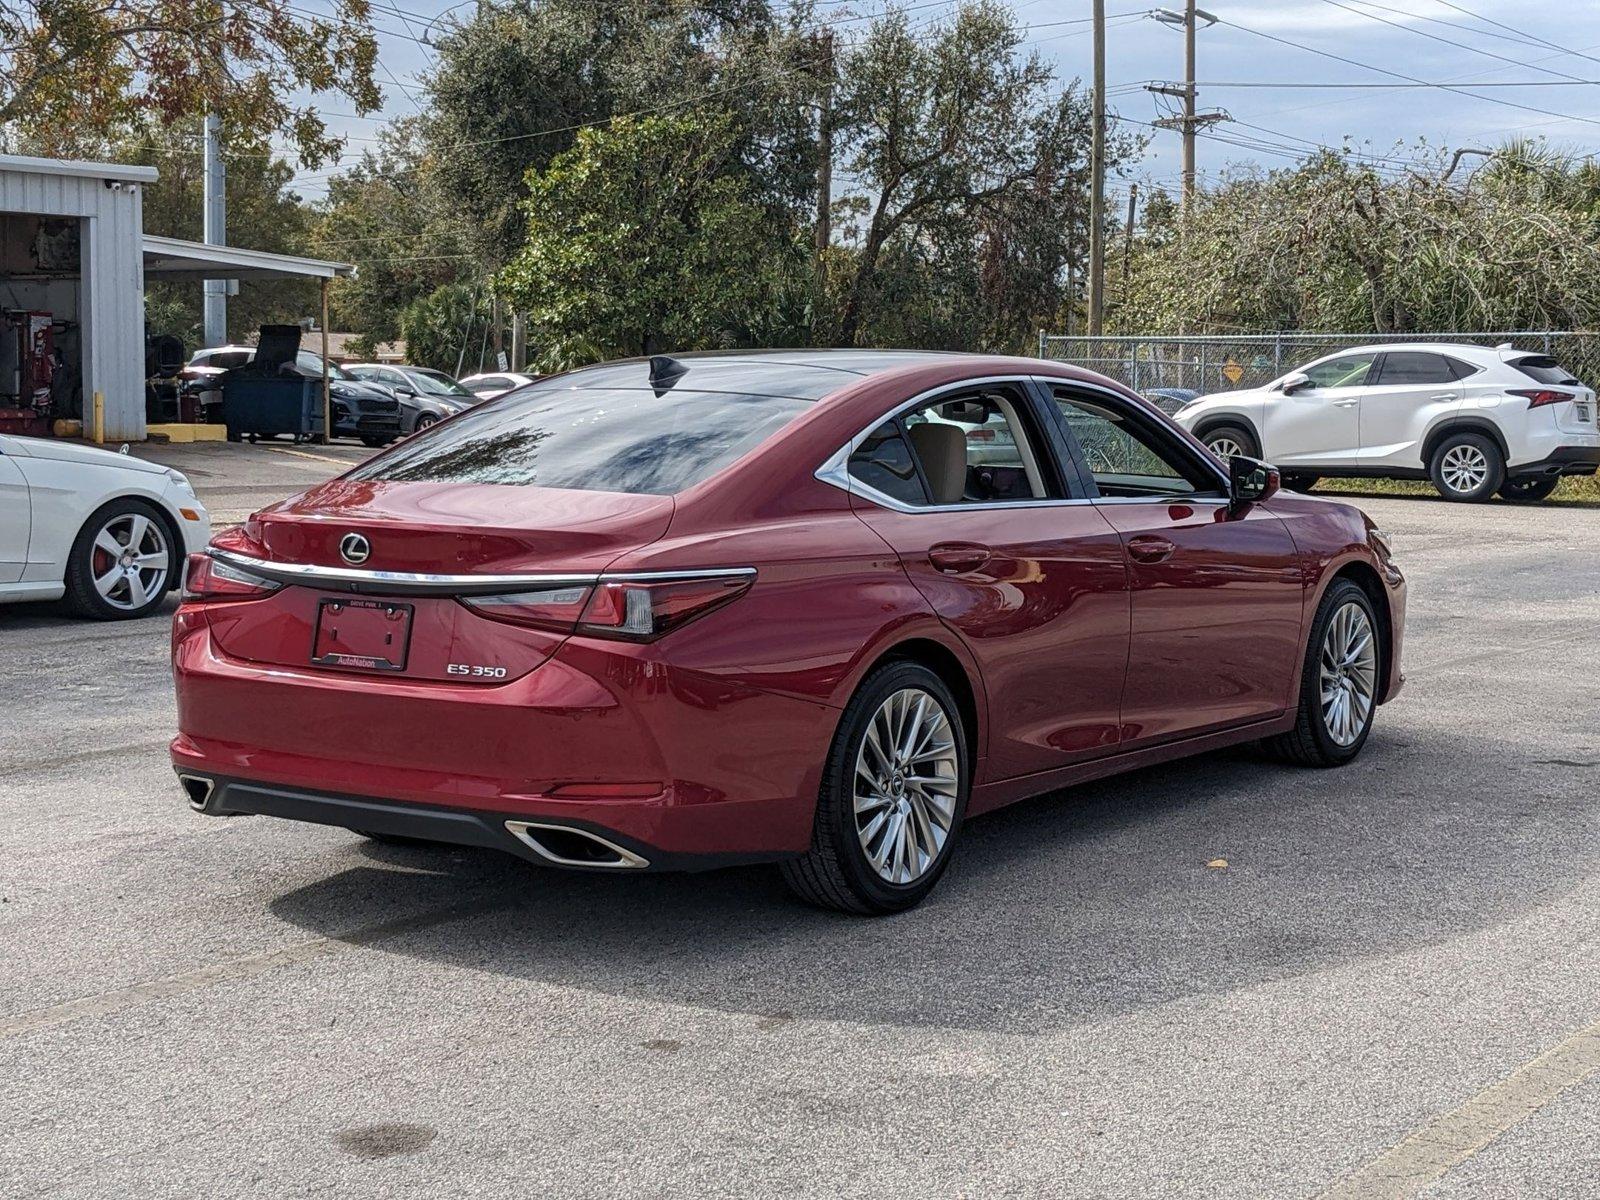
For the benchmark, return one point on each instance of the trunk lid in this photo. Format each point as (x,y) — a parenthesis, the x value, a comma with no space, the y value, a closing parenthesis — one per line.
(425,529)
(457,528)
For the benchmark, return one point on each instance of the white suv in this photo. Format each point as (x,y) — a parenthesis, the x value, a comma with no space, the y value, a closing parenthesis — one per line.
(1475,421)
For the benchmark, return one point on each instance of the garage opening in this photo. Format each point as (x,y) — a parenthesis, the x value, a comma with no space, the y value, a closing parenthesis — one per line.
(41,321)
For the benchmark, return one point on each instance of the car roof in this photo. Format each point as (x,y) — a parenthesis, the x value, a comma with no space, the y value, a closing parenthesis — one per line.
(1482,355)
(798,374)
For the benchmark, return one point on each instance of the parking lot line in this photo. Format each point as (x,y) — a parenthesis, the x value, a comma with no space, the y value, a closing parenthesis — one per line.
(1447,1141)
(105,1003)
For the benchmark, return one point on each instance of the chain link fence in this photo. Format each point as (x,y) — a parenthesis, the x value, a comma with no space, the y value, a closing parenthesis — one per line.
(1204,364)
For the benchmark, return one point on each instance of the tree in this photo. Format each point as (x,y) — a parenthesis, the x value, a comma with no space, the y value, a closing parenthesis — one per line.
(443,329)
(965,163)
(1331,243)
(517,81)
(386,216)
(71,66)
(644,238)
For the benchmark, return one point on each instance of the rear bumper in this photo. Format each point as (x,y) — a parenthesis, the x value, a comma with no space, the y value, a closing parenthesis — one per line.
(713,771)
(568,843)
(1564,460)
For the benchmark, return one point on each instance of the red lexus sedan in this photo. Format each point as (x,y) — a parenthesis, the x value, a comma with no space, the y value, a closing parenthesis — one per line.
(816,608)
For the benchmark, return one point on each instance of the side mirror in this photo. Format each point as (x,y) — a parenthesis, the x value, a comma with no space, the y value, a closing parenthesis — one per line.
(1295,383)
(1251,481)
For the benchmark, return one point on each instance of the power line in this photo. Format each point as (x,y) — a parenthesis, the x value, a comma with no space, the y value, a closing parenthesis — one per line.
(1512,29)
(1283,41)
(1446,41)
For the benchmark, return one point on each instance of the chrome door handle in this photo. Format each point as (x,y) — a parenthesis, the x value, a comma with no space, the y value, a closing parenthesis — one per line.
(1445,396)
(1345,403)
(1148,548)
(954,558)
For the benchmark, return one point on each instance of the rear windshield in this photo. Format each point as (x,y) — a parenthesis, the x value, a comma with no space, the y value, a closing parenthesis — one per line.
(590,439)
(1545,369)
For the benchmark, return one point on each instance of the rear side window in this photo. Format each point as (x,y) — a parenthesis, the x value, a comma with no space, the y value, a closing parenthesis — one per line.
(1544,369)
(883,462)
(590,439)
(1404,367)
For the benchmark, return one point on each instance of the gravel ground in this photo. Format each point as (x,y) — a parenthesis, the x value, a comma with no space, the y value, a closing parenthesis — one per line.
(192,1006)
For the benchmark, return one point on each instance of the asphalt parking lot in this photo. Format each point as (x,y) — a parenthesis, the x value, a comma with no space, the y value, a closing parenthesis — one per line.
(194,1006)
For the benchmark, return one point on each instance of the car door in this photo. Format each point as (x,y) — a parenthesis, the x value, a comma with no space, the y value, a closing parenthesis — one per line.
(1320,421)
(1013,558)
(1410,391)
(16,517)
(1216,592)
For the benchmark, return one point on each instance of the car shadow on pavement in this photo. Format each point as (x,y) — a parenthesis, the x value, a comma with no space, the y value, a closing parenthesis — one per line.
(1068,908)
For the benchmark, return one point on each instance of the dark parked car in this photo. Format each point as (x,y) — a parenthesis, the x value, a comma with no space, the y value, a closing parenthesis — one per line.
(426,396)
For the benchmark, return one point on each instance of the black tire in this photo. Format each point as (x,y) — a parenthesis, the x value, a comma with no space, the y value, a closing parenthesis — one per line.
(423,421)
(1481,463)
(835,872)
(1217,435)
(83,599)
(1309,743)
(1300,481)
(1529,489)
(374,442)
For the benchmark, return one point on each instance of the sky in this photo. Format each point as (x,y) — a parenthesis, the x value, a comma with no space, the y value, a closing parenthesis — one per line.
(1256,42)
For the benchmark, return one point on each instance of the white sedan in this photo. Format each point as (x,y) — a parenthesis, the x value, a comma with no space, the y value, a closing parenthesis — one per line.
(106,531)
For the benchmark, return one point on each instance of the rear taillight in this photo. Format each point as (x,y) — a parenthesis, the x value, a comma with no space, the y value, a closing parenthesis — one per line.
(556,608)
(1539,397)
(641,610)
(208,578)
(635,609)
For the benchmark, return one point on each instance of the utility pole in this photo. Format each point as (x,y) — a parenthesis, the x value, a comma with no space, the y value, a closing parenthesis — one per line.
(1191,120)
(215,223)
(1097,179)
(824,230)
(1127,234)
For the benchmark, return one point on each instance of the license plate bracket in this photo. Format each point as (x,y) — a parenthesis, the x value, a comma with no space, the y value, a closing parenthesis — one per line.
(369,635)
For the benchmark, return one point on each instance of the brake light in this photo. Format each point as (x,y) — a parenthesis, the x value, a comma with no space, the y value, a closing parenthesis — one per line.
(556,608)
(642,610)
(1539,397)
(208,578)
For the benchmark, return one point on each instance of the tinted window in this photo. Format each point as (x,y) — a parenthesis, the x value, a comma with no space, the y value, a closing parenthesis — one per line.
(1348,370)
(1125,457)
(1545,369)
(491,383)
(594,439)
(1403,367)
(883,463)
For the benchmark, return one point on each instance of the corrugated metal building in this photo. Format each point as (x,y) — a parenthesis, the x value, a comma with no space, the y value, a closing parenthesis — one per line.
(73,247)
(71,244)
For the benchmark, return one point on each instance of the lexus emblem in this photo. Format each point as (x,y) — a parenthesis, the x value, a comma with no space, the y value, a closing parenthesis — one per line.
(354,548)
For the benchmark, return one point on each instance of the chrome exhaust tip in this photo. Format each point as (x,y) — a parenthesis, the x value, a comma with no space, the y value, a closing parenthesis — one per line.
(569,847)
(198,788)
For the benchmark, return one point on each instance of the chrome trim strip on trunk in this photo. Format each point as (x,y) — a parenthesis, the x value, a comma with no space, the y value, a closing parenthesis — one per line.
(410,583)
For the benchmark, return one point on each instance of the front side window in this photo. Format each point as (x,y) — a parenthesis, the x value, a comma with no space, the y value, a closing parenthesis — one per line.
(1348,370)
(590,439)
(1403,368)
(436,384)
(1123,456)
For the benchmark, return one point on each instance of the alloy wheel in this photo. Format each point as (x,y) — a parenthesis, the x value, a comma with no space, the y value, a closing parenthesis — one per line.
(1464,468)
(1349,673)
(1225,447)
(129,561)
(907,776)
